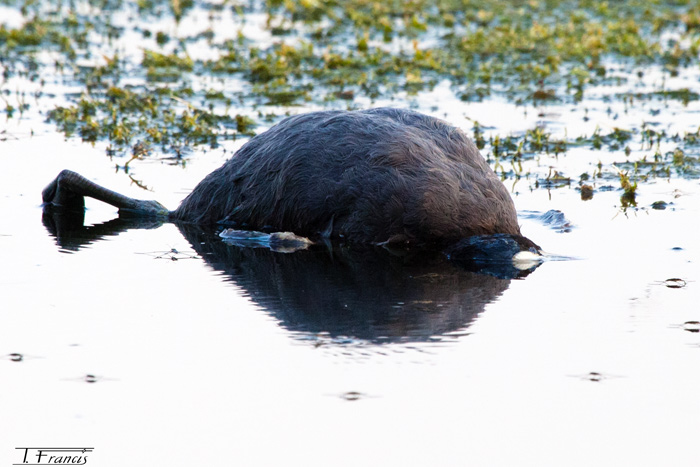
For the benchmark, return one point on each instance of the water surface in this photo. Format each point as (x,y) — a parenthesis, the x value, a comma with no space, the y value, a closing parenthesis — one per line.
(160,344)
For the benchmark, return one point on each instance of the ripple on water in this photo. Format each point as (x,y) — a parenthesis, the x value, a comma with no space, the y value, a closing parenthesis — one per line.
(16,357)
(675,283)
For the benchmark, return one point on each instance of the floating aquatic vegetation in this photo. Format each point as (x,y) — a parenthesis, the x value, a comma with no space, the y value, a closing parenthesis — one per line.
(168,95)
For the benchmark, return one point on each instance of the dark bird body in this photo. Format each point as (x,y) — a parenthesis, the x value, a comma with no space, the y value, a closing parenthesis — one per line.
(382,176)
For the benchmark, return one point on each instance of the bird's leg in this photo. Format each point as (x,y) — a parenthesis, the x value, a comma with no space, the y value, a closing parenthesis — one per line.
(69,189)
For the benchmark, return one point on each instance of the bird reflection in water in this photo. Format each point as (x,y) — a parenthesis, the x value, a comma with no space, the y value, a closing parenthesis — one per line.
(344,293)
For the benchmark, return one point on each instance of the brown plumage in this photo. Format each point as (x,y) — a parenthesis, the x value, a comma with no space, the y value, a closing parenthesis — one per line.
(381,175)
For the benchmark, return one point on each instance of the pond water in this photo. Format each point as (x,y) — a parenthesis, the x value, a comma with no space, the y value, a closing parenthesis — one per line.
(159,344)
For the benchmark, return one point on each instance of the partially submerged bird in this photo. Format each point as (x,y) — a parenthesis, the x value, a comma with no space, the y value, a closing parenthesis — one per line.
(380,176)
